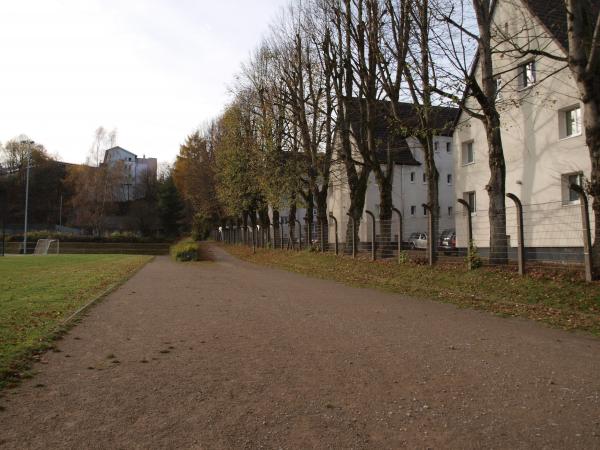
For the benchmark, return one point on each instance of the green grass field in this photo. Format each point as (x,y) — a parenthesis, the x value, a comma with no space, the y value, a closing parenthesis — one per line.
(562,302)
(37,293)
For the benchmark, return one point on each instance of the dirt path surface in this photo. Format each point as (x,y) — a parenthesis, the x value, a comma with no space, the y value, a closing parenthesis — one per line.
(225,354)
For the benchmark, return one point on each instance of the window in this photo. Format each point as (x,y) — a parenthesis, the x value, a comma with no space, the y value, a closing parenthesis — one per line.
(424,210)
(412,177)
(468,154)
(449,178)
(498,88)
(569,195)
(436,146)
(470,198)
(450,210)
(572,121)
(413,210)
(527,74)
(448,147)
(424,178)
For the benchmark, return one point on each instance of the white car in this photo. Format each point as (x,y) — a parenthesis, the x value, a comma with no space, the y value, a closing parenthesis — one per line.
(417,240)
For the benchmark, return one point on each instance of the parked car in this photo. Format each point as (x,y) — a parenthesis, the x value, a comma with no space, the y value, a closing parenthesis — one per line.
(448,241)
(417,240)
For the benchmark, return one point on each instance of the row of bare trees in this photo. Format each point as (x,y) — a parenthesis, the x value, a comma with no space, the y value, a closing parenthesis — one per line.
(315,92)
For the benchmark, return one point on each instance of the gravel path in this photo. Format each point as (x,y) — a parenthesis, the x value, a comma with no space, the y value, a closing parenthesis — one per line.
(225,354)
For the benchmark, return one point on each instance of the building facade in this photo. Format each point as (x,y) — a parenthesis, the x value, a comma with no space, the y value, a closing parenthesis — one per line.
(544,147)
(138,172)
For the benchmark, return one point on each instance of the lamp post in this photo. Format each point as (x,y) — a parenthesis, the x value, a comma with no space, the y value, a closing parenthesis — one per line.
(29,144)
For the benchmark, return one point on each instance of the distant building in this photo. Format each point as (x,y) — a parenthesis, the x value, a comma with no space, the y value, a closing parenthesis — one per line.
(138,172)
(409,191)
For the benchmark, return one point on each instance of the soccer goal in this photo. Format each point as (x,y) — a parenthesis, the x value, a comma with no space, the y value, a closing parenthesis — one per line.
(45,246)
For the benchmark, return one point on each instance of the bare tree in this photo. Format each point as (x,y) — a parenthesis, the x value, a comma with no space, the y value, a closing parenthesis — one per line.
(478,80)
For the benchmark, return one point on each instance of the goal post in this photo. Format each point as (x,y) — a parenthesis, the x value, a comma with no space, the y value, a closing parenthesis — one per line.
(45,246)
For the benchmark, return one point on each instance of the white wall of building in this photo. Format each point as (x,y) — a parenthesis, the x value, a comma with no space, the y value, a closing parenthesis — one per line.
(405,193)
(538,154)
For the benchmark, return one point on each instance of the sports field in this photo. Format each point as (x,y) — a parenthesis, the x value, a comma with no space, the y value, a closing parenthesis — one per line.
(37,293)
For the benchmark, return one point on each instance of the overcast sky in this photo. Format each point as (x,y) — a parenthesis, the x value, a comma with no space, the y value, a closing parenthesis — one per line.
(153,69)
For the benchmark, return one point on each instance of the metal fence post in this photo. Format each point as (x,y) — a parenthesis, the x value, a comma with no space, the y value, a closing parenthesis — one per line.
(299,234)
(322,222)
(520,234)
(281,232)
(431,239)
(469,231)
(397,211)
(587,235)
(373,256)
(331,216)
(309,232)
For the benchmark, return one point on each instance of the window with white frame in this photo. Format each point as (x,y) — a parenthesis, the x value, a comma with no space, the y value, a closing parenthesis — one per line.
(468,153)
(572,121)
(413,210)
(569,195)
(449,178)
(527,74)
(471,199)
(412,177)
(498,88)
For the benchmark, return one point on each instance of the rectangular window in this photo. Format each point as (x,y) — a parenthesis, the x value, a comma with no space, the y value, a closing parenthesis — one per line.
(470,198)
(413,210)
(436,146)
(424,211)
(448,147)
(569,195)
(468,154)
(527,74)
(412,177)
(573,122)
(498,88)
(424,178)
(450,210)
(449,178)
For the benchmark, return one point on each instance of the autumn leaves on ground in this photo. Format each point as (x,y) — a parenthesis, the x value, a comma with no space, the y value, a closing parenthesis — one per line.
(559,301)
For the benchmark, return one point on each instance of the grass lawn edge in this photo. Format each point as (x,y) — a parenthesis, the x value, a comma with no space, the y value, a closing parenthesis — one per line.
(21,365)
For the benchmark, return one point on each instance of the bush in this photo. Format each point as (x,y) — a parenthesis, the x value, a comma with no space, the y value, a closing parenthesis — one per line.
(185,250)
(473,257)
(116,237)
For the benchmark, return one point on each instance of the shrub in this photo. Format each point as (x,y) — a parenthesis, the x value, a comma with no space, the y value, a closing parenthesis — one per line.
(116,237)
(473,259)
(185,250)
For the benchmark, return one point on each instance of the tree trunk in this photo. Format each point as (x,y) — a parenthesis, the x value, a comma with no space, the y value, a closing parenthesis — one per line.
(322,218)
(433,199)
(496,189)
(276,229)
(386,204)
(591,122)
(292,224)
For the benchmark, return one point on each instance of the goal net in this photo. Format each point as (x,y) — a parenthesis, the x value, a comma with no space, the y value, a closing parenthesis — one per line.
(45,246)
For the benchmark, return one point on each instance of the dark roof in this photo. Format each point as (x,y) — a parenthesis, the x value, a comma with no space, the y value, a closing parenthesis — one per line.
(553,15)
(391,133)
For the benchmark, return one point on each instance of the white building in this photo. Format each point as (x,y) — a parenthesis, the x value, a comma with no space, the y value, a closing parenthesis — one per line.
(138,172)
(542,137)
(409,180)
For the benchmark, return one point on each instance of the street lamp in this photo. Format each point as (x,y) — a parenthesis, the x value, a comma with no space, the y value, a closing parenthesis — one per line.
(29,143)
